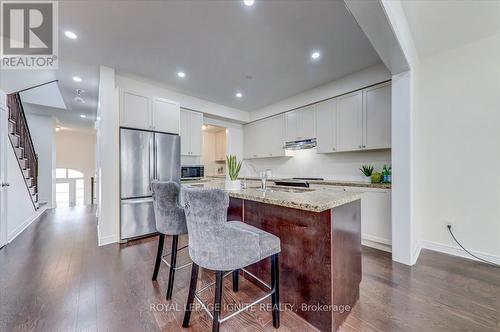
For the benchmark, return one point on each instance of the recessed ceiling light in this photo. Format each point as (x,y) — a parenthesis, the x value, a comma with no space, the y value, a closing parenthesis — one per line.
(315,55)
(70,34)
(57,128)
(204,127)
(83,116)
(181,74)
(248,2)
(77,78)
(239,95)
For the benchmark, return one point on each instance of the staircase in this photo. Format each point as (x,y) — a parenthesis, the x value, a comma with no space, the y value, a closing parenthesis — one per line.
(22,143)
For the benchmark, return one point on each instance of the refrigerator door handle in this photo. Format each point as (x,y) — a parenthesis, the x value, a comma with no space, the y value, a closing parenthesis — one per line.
(151,161)
(137,200)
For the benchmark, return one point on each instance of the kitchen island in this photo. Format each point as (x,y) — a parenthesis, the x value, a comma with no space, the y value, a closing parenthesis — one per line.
(320,233)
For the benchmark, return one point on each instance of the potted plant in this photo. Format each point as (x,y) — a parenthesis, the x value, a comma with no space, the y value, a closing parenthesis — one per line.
(376,177)
(233,168)
(387,174)
(367,171)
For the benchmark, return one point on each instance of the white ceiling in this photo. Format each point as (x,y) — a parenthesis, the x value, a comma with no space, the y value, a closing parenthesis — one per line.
(439,25)
(218,44)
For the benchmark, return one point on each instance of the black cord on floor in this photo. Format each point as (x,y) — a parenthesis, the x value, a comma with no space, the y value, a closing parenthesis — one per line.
(467,251)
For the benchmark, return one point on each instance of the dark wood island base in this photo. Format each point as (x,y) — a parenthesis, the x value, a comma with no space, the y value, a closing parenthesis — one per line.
(320,263)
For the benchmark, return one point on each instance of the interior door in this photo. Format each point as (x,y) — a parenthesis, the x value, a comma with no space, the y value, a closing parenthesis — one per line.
(3,174)
(136,168)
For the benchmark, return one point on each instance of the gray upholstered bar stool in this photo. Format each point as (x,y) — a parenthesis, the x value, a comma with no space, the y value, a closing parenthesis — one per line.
(170,220)
(219,245)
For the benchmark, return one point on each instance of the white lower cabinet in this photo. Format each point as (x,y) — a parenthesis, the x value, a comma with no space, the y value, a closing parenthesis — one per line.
(376,217)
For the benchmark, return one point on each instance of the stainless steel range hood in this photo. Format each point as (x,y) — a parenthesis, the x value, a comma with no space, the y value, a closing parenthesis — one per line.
(300,144)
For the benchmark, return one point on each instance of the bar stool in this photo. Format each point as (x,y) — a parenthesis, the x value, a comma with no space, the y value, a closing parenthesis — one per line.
(170,220)
(219,245)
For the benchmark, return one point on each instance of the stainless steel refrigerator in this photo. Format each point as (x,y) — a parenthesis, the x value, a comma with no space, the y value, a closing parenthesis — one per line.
(144,156)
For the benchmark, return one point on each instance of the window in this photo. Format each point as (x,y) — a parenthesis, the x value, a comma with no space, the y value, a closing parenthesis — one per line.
(62,194)
(70,187)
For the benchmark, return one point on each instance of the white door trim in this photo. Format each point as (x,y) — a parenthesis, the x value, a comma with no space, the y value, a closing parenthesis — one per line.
(3,168)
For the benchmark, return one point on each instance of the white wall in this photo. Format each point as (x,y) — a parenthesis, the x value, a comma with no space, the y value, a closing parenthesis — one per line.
(365,77)
(456,100)
(42,132)
(16,207)
(107,158)
(457,147)
(76,150)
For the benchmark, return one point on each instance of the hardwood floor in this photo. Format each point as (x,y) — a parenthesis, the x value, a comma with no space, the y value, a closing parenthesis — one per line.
(53,277)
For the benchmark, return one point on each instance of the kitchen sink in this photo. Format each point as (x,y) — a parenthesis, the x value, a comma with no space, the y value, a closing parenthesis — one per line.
(288,189)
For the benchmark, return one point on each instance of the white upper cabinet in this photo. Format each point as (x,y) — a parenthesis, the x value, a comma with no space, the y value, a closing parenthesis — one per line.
(150,113)
(135,111)
(307,125)
(191,133)
(300,124)
(249,146)
(196,133)
(273,136)
(291,125)
(377,117)
(326,126)
(264,138)
(350,122)
(165,116)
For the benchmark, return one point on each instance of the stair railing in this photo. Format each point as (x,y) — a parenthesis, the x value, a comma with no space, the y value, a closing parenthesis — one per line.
(18,118)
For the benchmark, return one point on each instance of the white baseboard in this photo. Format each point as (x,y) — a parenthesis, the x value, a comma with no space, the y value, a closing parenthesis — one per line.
(376,242)
(19,229)
(104,240)
(416,252)
(459,252)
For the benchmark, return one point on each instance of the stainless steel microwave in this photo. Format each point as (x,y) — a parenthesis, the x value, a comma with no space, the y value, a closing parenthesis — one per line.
(192,172)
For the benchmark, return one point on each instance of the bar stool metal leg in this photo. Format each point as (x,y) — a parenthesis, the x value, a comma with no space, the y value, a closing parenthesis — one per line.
(217,301)
(158,256)
(275,284)
(173,260)
(236,284)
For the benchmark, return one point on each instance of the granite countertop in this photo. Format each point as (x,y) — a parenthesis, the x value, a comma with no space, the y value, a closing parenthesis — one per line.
(333,183)
(302,199)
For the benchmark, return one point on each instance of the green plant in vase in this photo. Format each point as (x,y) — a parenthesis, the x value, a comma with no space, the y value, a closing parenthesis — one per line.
(233,169)
(367,171)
